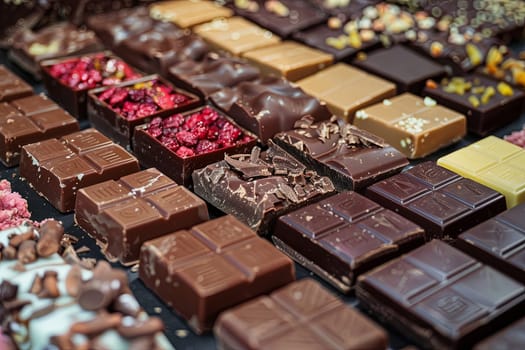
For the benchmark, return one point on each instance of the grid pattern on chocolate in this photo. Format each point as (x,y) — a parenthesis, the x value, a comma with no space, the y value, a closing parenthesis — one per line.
(442,202)
(441,297)
(57,168)
(301,315)
(345,235)
(123,214)
(215,265)
(493,162)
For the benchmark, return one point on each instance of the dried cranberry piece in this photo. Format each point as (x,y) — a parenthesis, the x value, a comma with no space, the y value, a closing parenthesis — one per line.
(184,152)
(205,146)
(119,96)
(170,143)
(146,109)
(187,138)
(213,133)
(106,94)
(174,121)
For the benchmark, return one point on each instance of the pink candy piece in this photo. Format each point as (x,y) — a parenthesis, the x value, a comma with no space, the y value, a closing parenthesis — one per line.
(13,208)
(517,138)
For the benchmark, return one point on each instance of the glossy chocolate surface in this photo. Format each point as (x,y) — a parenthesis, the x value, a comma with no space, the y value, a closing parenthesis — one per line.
(258,187)
(188,13)
(350,157)
(268,106)
(440,297)
(482,116)
(402,66)
(58,168)
(28,120)
(123,214)
(511,337)
(343,236)
(442,202)
(213,266)
(499,242)
(302,315)
(11,86)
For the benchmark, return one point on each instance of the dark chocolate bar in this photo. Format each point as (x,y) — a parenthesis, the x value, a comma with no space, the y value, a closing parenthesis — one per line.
(58,168)
(301,315)
(28,120)
(440,297)
(123,214)
(211,267)
(350,157)
(343,236)
(499,242)
(11,86)
(257,188)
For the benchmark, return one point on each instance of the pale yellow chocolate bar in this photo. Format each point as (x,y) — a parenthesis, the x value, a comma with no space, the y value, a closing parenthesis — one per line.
(493,162)
(346,89)
(235,35)
(417,127)
(188,13)
(292,60)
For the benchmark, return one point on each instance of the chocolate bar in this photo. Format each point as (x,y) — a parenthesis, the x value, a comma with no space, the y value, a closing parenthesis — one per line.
(350,157)
(257,188)
(123,214)
(11,86)
(441,298)
(509,338)
(299,315)
(211,267)
(28,120)
(188,13)
(343,236)
(182,143)
(488,104)
(442,202)
(499,242)
(58,168)
(264,106)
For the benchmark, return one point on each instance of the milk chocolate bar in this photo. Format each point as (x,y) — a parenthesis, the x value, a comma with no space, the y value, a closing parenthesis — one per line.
(28,120)
(58,168)
(123,214)
(440,297)
(442,202)
(259,187)
(11,86)
(301,314)
(213,266)
(350,157)
(343,236)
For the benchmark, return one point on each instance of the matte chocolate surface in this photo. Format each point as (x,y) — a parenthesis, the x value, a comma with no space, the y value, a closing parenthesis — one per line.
(350,157)
(11,86)
(402,66)
(58,168)
(302,315)
(268,106)
(214,73)
(440,297)
(440,201)
(488,105)
(499,242)
(511,337)
(343,236)
(123,214)
(28,120)
(211,267)
(259,187)
(188,13)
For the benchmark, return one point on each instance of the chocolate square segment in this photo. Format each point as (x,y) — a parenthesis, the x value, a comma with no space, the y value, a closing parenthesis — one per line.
(11,86)
(442,202)
(215,265)
(343,236)
(57,168)
(301,315)
(123,214)
(188,13)
(440,297)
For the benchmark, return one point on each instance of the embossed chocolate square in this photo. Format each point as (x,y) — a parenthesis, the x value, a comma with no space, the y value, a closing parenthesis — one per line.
(211,267)
(440,297)
(300,315)
(58,168)
(123,214)
(344,236)
(442,202)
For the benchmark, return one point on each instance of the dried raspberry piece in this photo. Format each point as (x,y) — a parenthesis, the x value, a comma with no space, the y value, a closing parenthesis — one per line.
(184,152)
(187,138)
(205,146)
(170,143)
(174,121)
(119,96)
(145,109)
(104,96)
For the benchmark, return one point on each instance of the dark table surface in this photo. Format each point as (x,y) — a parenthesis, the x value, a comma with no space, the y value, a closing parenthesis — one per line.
(176,330)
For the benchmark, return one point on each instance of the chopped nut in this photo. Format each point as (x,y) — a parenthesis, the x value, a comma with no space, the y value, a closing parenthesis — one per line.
(474,101)
(334,23)
(277,7)
(505,89)
(431,84)
(487,95)
(436,49)
(474,54)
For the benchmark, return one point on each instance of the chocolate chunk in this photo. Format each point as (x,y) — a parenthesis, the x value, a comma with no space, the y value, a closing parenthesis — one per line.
(27,252)
(74,280)
(8,291)
(343,236)
(51,233)
(210,268)
(12,87)
(49,285)
(123,214)
(57,168)
(301,314)
(257,200)
(441,298)
(103,288)
(98,325)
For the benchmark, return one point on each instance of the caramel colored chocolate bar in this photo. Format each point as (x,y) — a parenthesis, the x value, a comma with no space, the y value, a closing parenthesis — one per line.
(187,13)
(417,127)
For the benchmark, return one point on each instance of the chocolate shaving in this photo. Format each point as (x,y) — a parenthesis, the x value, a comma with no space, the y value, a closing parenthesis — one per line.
(248,169)
(51,233)
(27,252)
(73,280)
(36,285)
(17,240)
(304,123)
(8,291)
(289,193)
(131,328)
(15,305)
(350,132)
(97,325)
(49,285)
